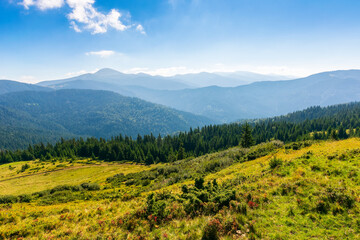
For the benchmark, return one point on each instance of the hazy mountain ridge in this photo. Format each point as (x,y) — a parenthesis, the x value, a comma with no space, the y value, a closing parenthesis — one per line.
(177,82)
(118,79)
(260,99)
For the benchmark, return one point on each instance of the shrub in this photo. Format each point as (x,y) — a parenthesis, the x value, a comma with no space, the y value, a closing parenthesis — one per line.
(24,198)
(275,162)
(90,186)
(322,206)
(24,167)
(340,196)
(185,189)
(211,230)
(199,183)
(7,199)
(315,168)
(60,188)
(238,207)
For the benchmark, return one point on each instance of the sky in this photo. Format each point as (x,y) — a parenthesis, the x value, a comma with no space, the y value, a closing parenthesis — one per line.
(55,39)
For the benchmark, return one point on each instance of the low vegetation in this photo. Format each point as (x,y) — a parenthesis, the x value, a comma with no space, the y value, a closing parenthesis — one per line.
(269,191)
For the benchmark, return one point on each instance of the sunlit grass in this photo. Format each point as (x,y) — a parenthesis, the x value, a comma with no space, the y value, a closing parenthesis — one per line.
(58,173)
(287,196)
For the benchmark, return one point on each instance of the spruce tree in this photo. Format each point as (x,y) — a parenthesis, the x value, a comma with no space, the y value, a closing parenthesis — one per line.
(181,152)
(246,137)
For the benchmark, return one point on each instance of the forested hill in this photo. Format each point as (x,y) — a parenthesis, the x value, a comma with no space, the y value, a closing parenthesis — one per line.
(337,122)
(39,115)
(314,112)
(8,86)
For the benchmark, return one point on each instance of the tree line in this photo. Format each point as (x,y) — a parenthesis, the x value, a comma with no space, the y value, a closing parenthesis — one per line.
(337,122)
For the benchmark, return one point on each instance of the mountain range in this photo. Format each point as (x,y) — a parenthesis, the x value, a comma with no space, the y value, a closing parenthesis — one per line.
(100,106)
(109,78)
(225,104)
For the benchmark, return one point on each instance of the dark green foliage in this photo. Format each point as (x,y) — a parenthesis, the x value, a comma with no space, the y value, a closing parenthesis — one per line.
(275,162)
(246,136)
(58,194)
(298,145)
(334,135)
(90,186)
(8,199)
(24,167)
(164,206)
(149,149)
(34,117)
(211,230)
(181,152)
(190,168)
(322,207)
(199,183)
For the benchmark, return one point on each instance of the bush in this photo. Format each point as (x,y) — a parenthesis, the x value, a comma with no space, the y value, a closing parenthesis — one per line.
(275,162)
(322,206)
(7,199)
(238,207)
(60,188)
(90,186)
(199,183)
(24,167)
(25,198)
(211,230)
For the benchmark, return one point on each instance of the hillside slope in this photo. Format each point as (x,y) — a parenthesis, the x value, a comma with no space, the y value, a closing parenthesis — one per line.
(282,193)
(91,113)
(8,86)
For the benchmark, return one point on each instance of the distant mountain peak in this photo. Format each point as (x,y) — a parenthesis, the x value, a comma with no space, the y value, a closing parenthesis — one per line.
(107,72)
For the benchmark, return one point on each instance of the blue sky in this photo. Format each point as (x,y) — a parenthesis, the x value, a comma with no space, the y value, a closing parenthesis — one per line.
(52,39)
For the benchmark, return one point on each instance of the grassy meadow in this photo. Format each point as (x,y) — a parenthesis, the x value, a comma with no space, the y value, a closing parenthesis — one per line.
(303,190)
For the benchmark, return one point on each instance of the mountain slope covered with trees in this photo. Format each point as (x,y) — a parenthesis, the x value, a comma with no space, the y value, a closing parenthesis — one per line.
(336,122)
(8,86)
(86,113)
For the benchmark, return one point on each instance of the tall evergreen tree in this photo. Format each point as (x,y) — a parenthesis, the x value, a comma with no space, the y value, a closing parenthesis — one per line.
(246,137)
(181,152)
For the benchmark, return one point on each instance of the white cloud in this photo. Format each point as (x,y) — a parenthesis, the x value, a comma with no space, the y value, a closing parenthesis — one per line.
(74,26)
(42,4)
(84,16)
(140,29)
(102,53)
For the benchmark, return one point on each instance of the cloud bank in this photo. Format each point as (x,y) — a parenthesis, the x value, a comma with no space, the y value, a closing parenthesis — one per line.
(84,16)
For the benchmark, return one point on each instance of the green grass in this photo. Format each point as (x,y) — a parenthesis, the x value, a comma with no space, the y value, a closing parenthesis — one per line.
(48,175)
(313,194)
